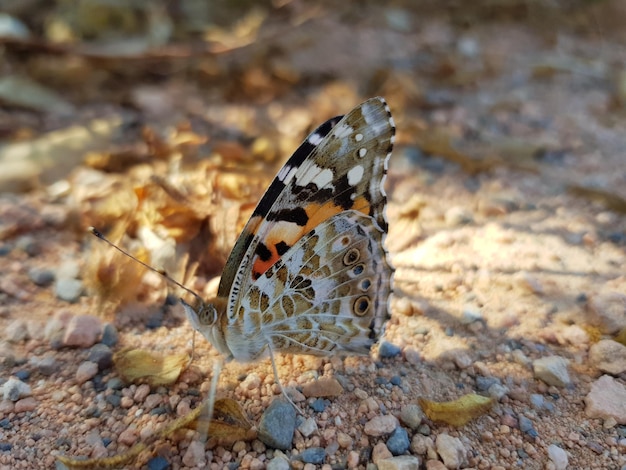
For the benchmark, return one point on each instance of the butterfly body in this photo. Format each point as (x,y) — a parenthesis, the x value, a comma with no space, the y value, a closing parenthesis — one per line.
(309,273)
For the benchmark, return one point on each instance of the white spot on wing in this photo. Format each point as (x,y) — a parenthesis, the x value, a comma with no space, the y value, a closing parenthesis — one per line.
(343,131)
(286,173)
(362,152)
(315,138)
(355,175)
(314,174)
(358,137)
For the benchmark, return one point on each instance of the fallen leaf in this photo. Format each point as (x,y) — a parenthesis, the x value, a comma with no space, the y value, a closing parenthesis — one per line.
(147,366)
(457,412)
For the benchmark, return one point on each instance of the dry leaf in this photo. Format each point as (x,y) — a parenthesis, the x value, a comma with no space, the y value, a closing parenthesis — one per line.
(229,422)
(457,412)
(146,366)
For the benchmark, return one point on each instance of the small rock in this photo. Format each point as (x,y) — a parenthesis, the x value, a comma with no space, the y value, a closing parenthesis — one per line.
(41,277)
(607,312)
(526,426)
(277,425)
(552,370)
(529,283)
(158,463)
(16,331)
(380,452)
(319,405)
(128,437)
(483,383)
(23,375)
(86,371)
(412,416)
(380,425)
(141,393)
(324,387)
(558,457)
(353,459)
(69,290)
(457,215)
(102,355)
(82,331)
(609,356)
(307,427)
(607,399)
(315,455)
(498,391)
(402,462)
(388,350)
(195,455)
(344,440)
(109,335)
(14,389)
(279,462)
(398,443)
(47,366)
(251,382)
(423,445)
(451,451)
(25,404)
(575,335)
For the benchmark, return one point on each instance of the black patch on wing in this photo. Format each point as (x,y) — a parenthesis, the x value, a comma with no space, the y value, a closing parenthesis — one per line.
(263,252)
(282,248)
(301,154)
(297,216)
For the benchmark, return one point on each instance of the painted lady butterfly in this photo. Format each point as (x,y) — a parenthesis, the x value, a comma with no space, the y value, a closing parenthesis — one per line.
(309,273)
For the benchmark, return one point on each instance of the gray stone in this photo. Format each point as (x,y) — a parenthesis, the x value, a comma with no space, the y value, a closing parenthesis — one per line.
(14,389)
(552,370)
(315,455)
(69,290)
(609,356)
(102,355)
(402,462)
(398,443)
(411,415)
(109,335)
(387,350)
(41,277)
(277,425)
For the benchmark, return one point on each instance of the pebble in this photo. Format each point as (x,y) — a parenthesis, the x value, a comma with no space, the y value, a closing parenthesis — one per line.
(609,356)
(115,383)
(25,404)
(41,277)
(483,383)
(195,455)
(380,452)
(558,457)
(498,391)
(398,443)
(319,405)
(388,350)
(457,215)
(141,393)
(412,416)
(158,463)
(14,389)
(128,437)
(277,425)
(22,374)
(47,365)
(109,335)
(402,462)
(16,331)
(102,355)
(324,387)
(451,451)
(279,462)
(315,455)
(307,427)
(69,290)
(607,399)
(86,371)
(353,459)
(344,440)
(606,311)
(423,445)
(526,425)
(552,370)
(380,425)
(82,331)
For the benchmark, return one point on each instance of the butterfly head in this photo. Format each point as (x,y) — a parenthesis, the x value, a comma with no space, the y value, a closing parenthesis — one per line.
(206,317)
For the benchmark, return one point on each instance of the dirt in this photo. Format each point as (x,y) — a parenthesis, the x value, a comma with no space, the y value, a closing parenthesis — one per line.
(506,238)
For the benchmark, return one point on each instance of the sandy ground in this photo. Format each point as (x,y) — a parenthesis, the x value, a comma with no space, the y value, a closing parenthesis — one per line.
(494,270)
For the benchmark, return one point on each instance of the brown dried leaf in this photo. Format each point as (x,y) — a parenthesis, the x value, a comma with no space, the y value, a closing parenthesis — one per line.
(457,412)
(138,365)
(229,422)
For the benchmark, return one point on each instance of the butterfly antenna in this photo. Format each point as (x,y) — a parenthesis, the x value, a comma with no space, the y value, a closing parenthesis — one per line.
(163,274)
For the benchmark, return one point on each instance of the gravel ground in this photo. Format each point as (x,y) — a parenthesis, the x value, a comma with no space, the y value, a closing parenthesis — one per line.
(508,284)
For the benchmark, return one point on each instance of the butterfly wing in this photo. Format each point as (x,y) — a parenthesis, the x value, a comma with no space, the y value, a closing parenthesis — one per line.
(344,170)
(327,295)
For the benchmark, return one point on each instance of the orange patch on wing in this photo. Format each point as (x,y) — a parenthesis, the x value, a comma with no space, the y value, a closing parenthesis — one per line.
(290,233)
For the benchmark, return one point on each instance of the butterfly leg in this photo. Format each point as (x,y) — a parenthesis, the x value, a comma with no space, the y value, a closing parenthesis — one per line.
(282,389)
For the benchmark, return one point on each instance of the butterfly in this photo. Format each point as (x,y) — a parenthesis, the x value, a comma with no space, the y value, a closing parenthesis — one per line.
(309,274)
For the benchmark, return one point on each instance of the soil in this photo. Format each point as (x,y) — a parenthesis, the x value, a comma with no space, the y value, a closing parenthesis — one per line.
(507,230)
